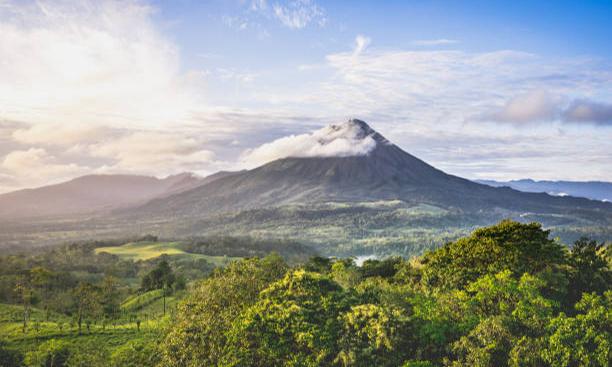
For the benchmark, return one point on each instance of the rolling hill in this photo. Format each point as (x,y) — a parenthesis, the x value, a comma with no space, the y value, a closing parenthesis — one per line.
(91,194)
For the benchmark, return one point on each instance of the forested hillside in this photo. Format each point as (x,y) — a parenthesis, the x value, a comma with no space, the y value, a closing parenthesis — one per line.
(506,295)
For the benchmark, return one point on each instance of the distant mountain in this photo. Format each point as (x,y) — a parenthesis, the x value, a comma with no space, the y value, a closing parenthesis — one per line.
(92,194)
(596,190)
(384,173)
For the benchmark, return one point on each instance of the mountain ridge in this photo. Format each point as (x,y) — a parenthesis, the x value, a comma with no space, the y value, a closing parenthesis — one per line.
(91,194)
(596,190)
(384,173)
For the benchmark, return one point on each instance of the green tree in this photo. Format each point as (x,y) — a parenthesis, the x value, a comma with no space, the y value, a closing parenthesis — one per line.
(508,245)
(42,282)
(25,291)
(590,269)
(110,297)
(480,322)
(295,322)
(488,344)
(136,353)
(87,303)
(9,357)
(53,353)
(386,268)
(318,264)
(345,273)
(373,336)
(585,339)
(161,277)
(197,335)
(89,354)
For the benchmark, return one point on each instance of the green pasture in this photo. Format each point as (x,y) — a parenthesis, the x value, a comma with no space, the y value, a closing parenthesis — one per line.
(149,250)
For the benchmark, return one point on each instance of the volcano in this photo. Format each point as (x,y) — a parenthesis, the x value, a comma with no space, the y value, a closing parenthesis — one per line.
(351,162)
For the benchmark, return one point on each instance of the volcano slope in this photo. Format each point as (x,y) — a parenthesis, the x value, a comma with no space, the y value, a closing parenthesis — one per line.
(383,200)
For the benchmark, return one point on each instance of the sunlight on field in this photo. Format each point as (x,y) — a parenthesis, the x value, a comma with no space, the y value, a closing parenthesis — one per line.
(143,250)
(149,250)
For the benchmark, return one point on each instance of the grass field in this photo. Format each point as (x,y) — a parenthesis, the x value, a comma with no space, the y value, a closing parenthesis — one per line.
(151,302)
(149,250)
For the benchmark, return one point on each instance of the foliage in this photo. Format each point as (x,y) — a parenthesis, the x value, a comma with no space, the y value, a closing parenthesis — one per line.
(54,353)
(294,323)
(88,355)
(507,295)
(9,357)
(161,277)
(136,353)
(583,340)
(521,248)
(247,246)
(373,336)
(590,269)
(197,336)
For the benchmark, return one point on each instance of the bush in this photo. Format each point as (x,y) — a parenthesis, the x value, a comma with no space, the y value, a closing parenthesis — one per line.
(136,353)
(9,357)
(54,353)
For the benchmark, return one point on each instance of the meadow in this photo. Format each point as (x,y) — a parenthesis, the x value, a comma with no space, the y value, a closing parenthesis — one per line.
(137,251)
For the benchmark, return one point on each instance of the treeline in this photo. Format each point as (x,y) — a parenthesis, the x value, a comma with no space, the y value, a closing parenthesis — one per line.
(74,282)
(246,246)
(57,271)
(507,295)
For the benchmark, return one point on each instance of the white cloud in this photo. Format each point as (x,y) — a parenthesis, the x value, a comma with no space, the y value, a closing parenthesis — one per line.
(432,104)
(36,167)
(583,110)
(539,106)
(257,5)
(435,42)
(162,152)
(60,134)
(341,140)
(535,106)
(89,62)
(298,14)
(237,23)
(361,43)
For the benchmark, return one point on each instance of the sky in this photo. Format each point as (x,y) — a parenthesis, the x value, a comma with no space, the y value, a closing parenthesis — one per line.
(480,89)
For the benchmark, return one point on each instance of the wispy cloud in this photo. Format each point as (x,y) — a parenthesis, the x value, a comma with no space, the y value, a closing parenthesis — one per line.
(168,151)
(435,42)
(535,106)
(542,107)
(298,14)
(584,110)
(361,43)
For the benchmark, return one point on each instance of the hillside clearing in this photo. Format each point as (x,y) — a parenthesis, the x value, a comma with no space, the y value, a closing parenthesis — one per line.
(149,250)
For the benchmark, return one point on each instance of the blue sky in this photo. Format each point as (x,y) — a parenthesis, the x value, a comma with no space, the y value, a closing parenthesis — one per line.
(559,28)
(481,89)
